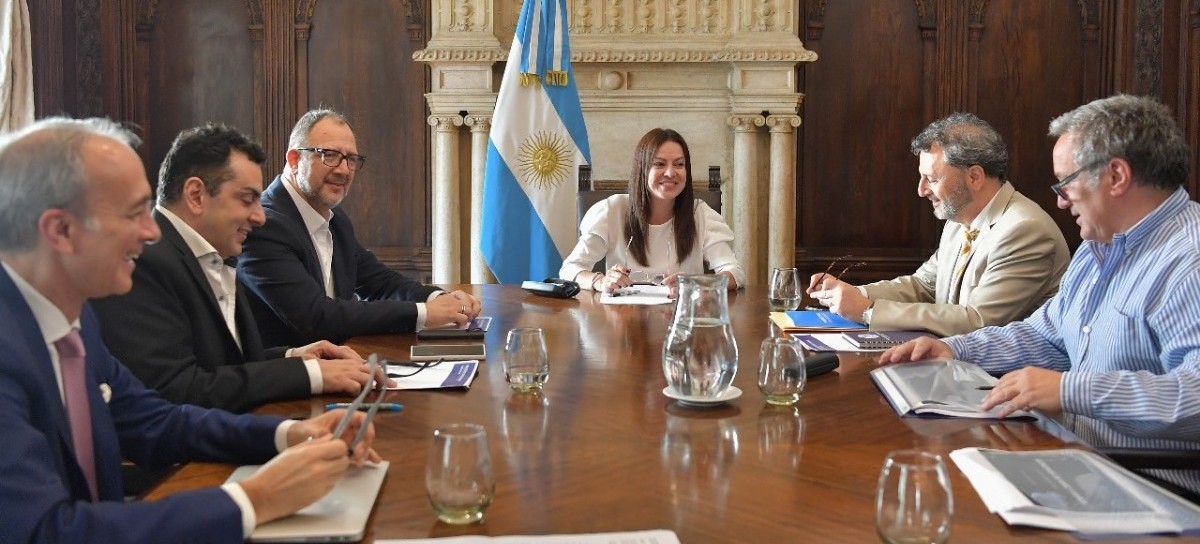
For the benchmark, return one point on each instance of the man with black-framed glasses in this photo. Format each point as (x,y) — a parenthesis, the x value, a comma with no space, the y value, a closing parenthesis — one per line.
(186,328)
(1000,254)
(309,277)
(1116,354)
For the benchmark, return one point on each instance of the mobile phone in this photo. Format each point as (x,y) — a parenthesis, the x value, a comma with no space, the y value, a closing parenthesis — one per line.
(473,330)
(449,352)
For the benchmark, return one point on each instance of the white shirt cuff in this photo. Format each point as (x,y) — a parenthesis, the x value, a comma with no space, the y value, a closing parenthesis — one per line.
(316,381)
(249,519)
(281,434)
(421,309)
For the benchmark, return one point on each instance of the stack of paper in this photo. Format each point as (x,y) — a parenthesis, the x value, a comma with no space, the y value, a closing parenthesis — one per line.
(1073,490)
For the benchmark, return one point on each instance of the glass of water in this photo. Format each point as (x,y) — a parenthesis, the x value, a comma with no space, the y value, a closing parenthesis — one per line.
(526,365)
(458,475)
(785,289)
(781,371)
(913,502)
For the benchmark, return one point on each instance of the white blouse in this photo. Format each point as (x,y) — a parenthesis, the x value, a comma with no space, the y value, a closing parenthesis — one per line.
(602,236)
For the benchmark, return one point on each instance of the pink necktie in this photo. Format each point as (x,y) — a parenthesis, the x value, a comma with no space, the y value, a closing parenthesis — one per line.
(75,390)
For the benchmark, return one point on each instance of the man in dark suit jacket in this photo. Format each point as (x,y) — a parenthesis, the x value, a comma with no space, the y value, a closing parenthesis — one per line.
(74,215)
(186,328)
(309,276)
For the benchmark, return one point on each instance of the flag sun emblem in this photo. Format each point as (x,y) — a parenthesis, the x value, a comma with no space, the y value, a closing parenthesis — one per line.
(545,159)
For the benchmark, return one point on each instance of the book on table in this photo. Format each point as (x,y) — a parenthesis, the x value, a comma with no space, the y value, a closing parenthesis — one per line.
(938,387)
(1073,490)
(814,320)
(882,339)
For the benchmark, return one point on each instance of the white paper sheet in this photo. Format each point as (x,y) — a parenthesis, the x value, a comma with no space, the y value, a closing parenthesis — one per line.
(629,537)
(1157,510)
(640,295)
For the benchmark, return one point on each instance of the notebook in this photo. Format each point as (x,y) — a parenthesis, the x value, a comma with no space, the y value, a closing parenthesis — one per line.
(814,320)
(882,339)
(340,516)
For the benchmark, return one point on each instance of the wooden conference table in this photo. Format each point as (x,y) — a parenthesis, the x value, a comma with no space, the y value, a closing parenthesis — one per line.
(602,449)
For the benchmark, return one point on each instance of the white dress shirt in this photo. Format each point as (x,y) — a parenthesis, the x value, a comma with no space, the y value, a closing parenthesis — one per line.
(322,239)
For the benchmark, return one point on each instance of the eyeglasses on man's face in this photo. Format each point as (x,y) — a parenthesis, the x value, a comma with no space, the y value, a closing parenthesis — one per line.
(1064,182)
(333,158)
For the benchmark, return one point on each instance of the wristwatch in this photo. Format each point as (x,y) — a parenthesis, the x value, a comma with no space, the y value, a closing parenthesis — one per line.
(867,314)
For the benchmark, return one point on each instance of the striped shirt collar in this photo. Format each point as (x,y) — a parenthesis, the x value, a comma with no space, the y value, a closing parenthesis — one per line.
(1143,229)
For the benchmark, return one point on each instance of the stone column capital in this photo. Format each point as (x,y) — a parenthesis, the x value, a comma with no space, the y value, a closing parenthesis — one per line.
(783,123)
(445,121)
(746,122)
(478,123)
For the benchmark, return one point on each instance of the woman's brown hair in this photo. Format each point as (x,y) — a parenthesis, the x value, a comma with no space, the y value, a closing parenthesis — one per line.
(637,217)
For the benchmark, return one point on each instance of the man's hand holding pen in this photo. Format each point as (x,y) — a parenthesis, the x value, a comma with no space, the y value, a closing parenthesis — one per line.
(840,297)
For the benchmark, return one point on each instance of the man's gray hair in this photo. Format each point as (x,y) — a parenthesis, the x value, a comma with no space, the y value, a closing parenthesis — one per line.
(41,168)
(1138,129)
(303,128)
(966,140)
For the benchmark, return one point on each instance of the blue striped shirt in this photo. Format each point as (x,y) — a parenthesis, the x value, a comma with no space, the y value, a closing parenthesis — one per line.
(1124,329)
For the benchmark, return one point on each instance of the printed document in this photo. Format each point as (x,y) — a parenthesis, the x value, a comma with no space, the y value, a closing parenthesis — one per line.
(629,537)
(1073,490)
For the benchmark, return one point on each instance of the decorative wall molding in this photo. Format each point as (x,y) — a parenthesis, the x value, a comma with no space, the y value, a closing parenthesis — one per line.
(1147,54)
(636,63)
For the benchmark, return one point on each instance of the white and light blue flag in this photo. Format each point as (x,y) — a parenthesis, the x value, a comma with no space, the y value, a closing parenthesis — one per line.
(537,143)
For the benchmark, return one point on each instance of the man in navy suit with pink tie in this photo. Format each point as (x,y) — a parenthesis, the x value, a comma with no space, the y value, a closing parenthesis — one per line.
(74,216)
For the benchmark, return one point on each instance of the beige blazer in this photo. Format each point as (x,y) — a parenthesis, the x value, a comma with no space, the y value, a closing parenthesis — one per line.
(1014,266)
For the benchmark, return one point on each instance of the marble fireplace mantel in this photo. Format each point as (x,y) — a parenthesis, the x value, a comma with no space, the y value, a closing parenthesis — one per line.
(721,72)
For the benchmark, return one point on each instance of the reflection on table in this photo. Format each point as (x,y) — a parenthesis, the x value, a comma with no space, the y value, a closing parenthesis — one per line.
(602,449)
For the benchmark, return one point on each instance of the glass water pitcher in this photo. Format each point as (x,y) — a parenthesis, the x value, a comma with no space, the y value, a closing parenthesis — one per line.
(700,355)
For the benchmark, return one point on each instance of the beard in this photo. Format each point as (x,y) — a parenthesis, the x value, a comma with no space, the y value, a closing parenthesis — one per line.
(954,202)
(305,186)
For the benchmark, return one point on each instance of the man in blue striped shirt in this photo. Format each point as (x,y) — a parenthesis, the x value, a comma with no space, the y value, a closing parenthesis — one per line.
(1117,351)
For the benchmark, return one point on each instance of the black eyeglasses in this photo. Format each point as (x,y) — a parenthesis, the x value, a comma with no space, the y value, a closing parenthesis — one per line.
(1062,183)
(418,365)
(833,263)
(332,158)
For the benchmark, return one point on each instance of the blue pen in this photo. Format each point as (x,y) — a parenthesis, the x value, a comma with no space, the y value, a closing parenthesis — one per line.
(386,406)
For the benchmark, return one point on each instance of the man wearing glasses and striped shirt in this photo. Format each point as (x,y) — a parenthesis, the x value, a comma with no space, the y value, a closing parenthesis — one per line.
(1116,353)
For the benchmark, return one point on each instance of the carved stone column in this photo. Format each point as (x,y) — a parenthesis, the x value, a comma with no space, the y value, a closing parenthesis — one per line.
(748,240)
(781,236)
(447,266)
(481,126)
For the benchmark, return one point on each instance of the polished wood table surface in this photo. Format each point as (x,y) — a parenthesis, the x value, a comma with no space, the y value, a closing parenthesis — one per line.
(602,449)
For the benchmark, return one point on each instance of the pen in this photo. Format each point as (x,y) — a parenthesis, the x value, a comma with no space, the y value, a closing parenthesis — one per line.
(389,406)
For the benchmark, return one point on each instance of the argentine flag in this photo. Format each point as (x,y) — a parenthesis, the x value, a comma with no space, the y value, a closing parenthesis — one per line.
(537,143)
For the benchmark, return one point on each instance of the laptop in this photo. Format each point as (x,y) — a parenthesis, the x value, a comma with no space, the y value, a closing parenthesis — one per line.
(340,516)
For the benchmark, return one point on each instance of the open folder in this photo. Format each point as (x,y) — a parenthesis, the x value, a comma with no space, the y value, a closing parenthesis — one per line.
(340,516)
(1073,490)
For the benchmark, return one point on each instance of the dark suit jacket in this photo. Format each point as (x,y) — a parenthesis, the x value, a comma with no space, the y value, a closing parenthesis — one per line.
(170,332)
(43,494)
(279,264)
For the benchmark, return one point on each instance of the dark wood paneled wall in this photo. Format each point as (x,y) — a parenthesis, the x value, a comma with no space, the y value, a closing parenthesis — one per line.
(889,67)
(257,65)
(886,68)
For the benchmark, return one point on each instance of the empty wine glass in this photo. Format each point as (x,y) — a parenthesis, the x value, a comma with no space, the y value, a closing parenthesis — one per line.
(458,476)
(913,503)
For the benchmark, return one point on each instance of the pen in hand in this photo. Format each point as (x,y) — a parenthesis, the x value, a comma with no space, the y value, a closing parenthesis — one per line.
(388,406)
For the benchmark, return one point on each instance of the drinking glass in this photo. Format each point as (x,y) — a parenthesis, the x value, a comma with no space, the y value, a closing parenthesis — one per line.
(781,372)
(526,365)
(458,476)
(913,503)
(785,289)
